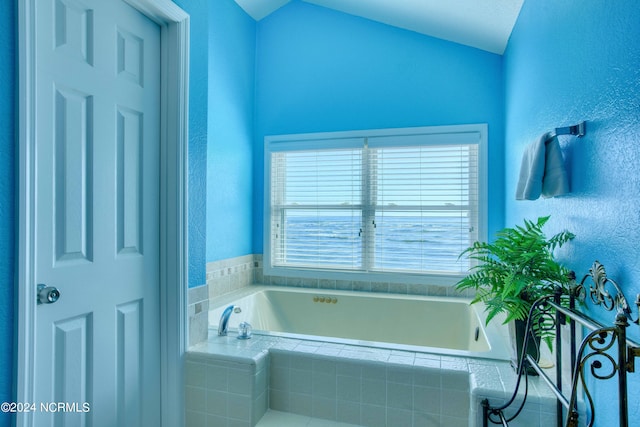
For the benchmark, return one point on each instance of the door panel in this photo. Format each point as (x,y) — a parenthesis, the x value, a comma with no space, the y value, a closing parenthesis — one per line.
(129,191)
(97,213)
(130,355)
(72,358)
(73,29)
(72,173)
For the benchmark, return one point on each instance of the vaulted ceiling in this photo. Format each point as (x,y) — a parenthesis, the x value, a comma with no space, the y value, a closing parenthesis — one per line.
(483,24)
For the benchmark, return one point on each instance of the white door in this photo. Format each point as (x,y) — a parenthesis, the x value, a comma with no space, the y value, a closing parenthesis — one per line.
(97,214)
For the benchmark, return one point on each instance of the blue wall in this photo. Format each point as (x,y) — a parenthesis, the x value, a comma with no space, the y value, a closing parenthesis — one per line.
(8,116)
(198,121)
(232,51)
(570,61)
(321,70)
(221,103)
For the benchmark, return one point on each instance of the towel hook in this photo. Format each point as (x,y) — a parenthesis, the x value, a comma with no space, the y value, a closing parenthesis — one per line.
(579,130)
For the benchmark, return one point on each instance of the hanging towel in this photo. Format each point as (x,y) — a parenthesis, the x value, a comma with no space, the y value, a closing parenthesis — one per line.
(532,170)
(555,181)
(542,170)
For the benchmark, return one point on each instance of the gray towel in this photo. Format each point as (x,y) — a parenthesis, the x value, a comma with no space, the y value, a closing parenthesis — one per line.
(542,170)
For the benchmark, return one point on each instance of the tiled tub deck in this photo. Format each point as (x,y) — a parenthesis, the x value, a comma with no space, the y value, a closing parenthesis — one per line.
(231,382)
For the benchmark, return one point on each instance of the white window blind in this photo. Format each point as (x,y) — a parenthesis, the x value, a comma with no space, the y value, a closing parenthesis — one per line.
(424,207)
(316,208)
(399,203)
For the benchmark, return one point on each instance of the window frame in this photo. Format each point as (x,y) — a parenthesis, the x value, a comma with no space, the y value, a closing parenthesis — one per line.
(354,139)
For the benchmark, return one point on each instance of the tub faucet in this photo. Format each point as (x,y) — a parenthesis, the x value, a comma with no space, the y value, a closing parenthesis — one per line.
(223,325)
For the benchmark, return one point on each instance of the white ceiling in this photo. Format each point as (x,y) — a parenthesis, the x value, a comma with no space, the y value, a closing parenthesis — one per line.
(484,24)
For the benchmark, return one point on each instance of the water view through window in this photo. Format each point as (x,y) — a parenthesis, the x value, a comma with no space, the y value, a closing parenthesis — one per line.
(405,203)
(404,243)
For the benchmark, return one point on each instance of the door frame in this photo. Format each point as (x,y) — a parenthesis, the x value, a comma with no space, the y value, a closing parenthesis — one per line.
(174,121)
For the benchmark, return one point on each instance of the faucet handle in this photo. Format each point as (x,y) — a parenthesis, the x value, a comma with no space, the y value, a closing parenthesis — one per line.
(244,331)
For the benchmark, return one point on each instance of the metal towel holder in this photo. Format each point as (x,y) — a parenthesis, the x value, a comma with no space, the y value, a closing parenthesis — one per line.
(578,130)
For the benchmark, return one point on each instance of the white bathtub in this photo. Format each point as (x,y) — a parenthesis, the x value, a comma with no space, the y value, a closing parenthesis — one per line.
(403,322)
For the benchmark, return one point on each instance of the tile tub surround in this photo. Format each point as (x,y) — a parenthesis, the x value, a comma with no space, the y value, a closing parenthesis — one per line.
(358,285)
(231,274)
(222,277)
(225,391)
(198,314)
(373,387)
(234,273)
(370,393)
(366,286)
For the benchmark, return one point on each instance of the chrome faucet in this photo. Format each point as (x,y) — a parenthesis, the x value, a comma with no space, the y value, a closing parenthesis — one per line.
(223,325)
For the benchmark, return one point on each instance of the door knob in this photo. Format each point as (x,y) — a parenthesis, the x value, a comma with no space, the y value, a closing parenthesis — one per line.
(47,294)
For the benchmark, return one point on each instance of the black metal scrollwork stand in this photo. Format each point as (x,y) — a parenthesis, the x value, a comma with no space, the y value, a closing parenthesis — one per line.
(604,353)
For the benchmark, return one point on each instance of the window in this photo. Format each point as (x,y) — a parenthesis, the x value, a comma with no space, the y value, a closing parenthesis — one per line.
(372,203)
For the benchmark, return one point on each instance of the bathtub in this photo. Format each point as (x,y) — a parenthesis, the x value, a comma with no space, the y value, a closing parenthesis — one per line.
(440,325)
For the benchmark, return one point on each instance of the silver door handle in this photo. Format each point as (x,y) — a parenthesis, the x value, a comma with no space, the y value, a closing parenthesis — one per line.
(47,294)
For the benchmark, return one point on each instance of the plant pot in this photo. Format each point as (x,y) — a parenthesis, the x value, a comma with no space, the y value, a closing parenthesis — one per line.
(517,330)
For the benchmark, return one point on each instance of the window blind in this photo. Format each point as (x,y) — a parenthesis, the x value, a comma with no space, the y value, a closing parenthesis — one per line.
(392,203)
(424,207)
(316,208)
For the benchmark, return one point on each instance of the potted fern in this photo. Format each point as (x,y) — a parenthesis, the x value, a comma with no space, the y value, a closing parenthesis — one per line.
(514,271)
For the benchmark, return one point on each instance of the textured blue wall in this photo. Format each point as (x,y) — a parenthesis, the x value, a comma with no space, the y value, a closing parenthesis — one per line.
(198,111)
(8,85)
(232,51)
(322,70)
(570,61)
